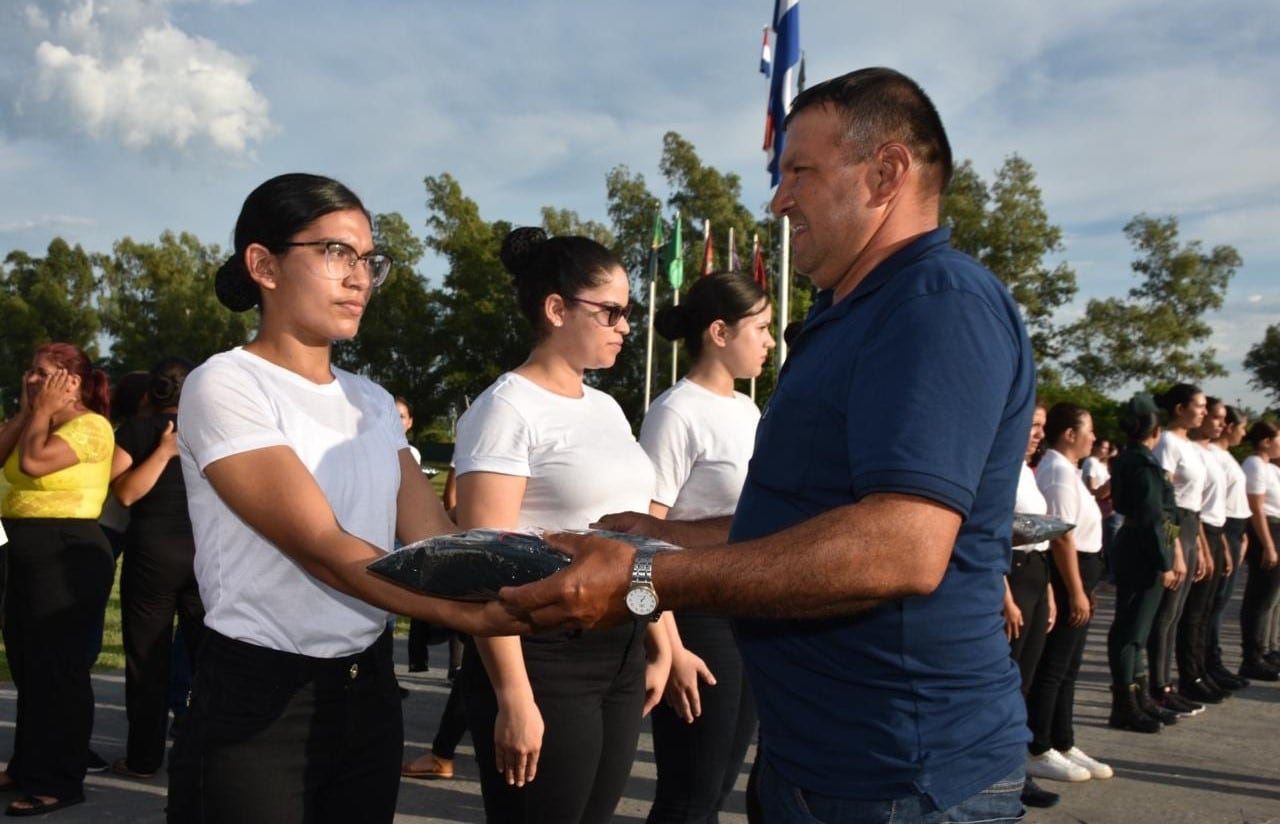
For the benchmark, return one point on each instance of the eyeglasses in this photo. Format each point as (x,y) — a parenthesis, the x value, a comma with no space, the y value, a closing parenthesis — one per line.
(340,260)
(611,312)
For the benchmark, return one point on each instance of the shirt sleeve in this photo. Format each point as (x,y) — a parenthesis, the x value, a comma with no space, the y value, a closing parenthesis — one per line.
(1255,476)
(668,441)
(89,436)
(930,357)
(493,437)
(225,412)
(1166,453)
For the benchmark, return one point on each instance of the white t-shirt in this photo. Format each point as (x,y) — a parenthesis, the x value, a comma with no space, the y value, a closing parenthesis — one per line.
(700,444)
(348,435)
(1030,501)
(579,455)
(1184,461)
(1213,510)
(1263,478)
(1237,500)
(1095,472)
(1069,500)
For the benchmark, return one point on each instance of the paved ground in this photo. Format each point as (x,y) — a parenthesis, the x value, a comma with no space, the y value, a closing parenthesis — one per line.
(1222,767)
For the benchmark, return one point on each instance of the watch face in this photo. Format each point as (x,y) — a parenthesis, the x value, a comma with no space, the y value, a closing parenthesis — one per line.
(642,601)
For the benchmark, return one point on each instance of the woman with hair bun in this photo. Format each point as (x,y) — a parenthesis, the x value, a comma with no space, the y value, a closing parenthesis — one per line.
(158,580)
(555,716)
(57,459)
(298,475)
(1145,561)
(1184,408)
(1237,505)
(699,435)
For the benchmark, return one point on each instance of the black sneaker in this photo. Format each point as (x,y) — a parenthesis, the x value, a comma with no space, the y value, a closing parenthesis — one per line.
(1175,703)
(95,763)
(1256,669)
(1033,795)
(1273,659)
(1226,679)
(1200,691)
(1217,685)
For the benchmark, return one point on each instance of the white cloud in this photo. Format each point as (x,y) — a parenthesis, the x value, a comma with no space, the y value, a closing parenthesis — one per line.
(55,222)
(124,72)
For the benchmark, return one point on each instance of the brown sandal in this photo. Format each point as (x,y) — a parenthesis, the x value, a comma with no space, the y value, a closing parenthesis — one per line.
(437,768)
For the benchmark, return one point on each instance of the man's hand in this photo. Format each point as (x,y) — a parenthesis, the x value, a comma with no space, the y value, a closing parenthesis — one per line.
(633,523)
(590,593)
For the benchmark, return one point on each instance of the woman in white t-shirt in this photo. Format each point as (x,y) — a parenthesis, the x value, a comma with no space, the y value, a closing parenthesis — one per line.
(555,716)
(699,435)
(1076,569)
(1262,589)
(298,475)
(1237,506)
(1184,409)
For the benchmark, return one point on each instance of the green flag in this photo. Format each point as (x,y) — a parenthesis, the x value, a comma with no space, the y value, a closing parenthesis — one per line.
(675,263)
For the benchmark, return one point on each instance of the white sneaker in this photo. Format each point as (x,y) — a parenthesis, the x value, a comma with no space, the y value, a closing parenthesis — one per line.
(1096,768)
(1054,765)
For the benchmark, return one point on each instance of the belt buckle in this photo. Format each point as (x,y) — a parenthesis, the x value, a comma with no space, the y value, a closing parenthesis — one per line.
(354,672)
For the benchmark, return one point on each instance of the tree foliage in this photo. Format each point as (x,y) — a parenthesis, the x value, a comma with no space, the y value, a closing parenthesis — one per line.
(1156,333)
(158,300)
(52,298)
(1263,360)
(1005,226)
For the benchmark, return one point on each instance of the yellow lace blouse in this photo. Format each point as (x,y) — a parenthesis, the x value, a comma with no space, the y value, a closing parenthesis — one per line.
(75,492)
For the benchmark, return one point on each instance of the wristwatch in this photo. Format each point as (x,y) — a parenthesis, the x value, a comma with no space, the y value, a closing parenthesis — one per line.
(642,599)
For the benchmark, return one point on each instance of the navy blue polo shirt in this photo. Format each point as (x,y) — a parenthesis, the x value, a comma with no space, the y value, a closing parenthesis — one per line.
(920,382)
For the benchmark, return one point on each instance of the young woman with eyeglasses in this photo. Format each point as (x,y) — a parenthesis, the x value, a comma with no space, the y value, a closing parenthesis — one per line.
(699,435)
(555,716)
(298,475)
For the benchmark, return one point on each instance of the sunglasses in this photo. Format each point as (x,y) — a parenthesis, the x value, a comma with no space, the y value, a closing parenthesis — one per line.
(609,313)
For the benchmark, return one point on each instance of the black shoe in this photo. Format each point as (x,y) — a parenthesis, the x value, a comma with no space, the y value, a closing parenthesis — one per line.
(1127,713)
(1034,796)
(1256,669)
(418,666)
(1273,659)
(95,763)
(1150,707)
(1226,679)
(1201,691)
(1170,700)
(1213,682)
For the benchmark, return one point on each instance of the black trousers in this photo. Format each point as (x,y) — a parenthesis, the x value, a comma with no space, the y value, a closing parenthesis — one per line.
(1051,702)
(1261,596)
(453,725)
(1192,645)
(60,573)
(1233,533)
(1161,644)
(280,738)
(699,763)
(1029,584)
(157,582)
(589,688)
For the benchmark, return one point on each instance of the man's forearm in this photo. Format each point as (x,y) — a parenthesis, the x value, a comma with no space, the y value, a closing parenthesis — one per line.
(842,561)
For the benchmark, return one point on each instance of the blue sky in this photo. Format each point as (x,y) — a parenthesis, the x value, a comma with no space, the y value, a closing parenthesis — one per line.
(126,117)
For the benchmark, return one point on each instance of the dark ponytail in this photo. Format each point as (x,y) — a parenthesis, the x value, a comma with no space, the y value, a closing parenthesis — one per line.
(543,266)
(164,385)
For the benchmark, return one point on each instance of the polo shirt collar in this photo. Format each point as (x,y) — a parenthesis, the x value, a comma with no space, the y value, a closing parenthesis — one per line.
(823,311)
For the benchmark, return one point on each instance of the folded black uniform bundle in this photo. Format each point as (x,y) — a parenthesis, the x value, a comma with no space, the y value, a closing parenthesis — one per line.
(1032,529)
(474,565)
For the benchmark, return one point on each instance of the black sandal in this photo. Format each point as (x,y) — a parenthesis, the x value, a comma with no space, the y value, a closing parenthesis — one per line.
(38,806)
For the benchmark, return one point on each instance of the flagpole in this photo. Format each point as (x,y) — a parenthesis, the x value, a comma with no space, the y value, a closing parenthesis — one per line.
(675,301)
(648,345)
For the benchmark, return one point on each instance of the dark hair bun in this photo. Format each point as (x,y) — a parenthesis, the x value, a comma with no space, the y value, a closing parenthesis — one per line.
(672,322)
(520,249)
(233,286)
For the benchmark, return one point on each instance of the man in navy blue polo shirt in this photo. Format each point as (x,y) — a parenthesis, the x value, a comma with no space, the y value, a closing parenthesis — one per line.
(870,541)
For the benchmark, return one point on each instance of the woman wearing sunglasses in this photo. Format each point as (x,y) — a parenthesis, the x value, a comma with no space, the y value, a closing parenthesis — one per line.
(699,435)
(555,717)
(298,475)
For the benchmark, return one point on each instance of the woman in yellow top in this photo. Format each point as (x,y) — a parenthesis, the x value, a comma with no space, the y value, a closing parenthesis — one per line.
(57,459)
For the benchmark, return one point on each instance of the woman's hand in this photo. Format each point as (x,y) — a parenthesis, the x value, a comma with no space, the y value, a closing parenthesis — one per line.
(1228,563)
(59,391)
(1269,557)
(1169,579)
(1012,619)
(1053,608)
(1080,609)
(682,687)
(517,740)
(168,446)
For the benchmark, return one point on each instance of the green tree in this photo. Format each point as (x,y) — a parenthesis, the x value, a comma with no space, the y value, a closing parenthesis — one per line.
(397,345)
(41,300)
(1263,360)
(1005,226)
(158,300)
(480,333)
(1156,333)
